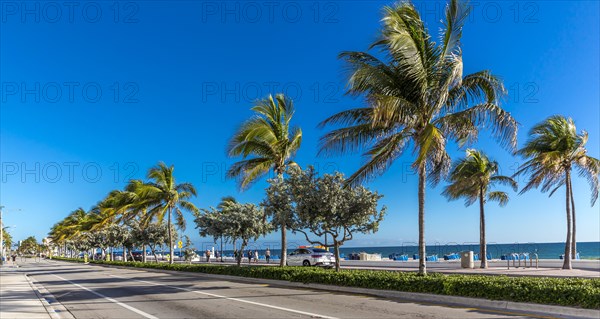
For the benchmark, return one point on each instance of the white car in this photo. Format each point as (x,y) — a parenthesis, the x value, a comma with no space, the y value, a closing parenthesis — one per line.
(311,257)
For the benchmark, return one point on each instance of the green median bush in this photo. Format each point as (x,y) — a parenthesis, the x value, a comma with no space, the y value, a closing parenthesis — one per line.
(572,292)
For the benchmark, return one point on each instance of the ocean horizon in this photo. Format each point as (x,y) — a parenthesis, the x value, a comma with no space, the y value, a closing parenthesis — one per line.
(587,250)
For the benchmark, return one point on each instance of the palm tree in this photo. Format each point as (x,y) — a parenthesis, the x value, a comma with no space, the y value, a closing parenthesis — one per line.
(553,150)
(419,100)
(266,141)
(162,195)
(472,178)
(71,227)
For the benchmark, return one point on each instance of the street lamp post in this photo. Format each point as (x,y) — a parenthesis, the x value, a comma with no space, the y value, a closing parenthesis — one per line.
(2,237)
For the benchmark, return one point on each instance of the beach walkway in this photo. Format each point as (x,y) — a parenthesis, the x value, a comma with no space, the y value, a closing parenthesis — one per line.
(546,267)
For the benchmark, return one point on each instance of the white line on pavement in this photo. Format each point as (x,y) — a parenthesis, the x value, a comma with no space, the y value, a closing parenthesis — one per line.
(313,315)
(144,314)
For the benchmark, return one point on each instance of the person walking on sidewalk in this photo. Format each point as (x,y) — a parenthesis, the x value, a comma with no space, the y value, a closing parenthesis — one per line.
(268,255)
(207,256)
(249,256)
(256,256)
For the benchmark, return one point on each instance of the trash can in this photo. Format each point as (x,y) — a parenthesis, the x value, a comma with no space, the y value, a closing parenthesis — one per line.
(466,259)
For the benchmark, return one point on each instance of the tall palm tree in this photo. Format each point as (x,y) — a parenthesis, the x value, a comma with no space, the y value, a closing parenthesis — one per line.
(418,99)
(266,141)
(71,227)
(472,178)
(552,151)
(163,196)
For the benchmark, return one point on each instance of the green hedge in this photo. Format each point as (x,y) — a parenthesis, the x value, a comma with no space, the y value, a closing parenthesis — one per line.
(573,292)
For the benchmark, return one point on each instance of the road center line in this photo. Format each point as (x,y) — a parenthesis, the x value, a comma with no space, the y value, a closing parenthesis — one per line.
(314,315)
(144,314)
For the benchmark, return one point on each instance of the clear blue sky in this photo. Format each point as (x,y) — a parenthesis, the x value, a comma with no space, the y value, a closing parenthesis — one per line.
(177,78)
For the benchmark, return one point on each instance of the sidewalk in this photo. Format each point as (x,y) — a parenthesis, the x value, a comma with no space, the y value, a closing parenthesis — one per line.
(18,298)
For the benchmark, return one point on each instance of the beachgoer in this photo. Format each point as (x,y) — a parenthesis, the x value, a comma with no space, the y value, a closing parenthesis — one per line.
(207,256)
(256,256)
(268,255)
(249,256)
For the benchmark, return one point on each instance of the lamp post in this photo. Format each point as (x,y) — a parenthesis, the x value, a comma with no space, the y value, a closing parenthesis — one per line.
(2,237)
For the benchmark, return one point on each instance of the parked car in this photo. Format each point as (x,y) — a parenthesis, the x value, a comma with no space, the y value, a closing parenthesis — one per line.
(311,257)
(137,256)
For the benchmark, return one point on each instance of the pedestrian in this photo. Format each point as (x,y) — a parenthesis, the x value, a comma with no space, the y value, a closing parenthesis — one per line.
(207,256)
(14,258)
(256,256)
(268,255)
(249,256)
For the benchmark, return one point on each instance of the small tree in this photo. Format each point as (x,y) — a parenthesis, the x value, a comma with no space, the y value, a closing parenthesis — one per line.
(117,236)
(153,235)
(29,246)
(325,206)
(239,221)
(83,244)
(213,224)
(188,249)
(6,239)
(100,239)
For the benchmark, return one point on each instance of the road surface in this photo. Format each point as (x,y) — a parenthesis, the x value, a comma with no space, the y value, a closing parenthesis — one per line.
(90,291)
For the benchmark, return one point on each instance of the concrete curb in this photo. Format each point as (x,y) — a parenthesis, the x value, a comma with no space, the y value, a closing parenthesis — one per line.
(505,306)
(54,308)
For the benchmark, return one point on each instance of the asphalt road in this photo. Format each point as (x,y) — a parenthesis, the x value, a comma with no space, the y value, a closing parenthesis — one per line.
(90,291)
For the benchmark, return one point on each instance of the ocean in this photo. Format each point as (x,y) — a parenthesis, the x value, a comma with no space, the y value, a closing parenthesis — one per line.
(587,250)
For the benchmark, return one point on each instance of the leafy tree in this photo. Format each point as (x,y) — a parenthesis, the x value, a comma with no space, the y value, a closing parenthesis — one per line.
(154,236)
(6,239)
(324,206)
(214,225)
(240,221)
(84,243)
(417,101)
(266,141)
(117,236)
(188,249)
(472,178)
(552,152)
(162,195)
(29,246)
(100,239)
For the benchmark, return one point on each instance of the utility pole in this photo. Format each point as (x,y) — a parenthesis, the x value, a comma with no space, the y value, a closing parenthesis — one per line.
(2,237)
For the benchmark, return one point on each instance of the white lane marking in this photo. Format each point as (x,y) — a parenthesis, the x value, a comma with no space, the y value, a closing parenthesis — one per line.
(144,314)
(314,315)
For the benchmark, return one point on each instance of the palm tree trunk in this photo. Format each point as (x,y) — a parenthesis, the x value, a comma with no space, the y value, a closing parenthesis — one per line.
(283,257)
(482,244)
(573,235)
(422,178)
(567,257)
(170,239)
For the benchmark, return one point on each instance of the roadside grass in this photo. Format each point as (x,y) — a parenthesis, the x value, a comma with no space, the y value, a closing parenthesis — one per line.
(571,292)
